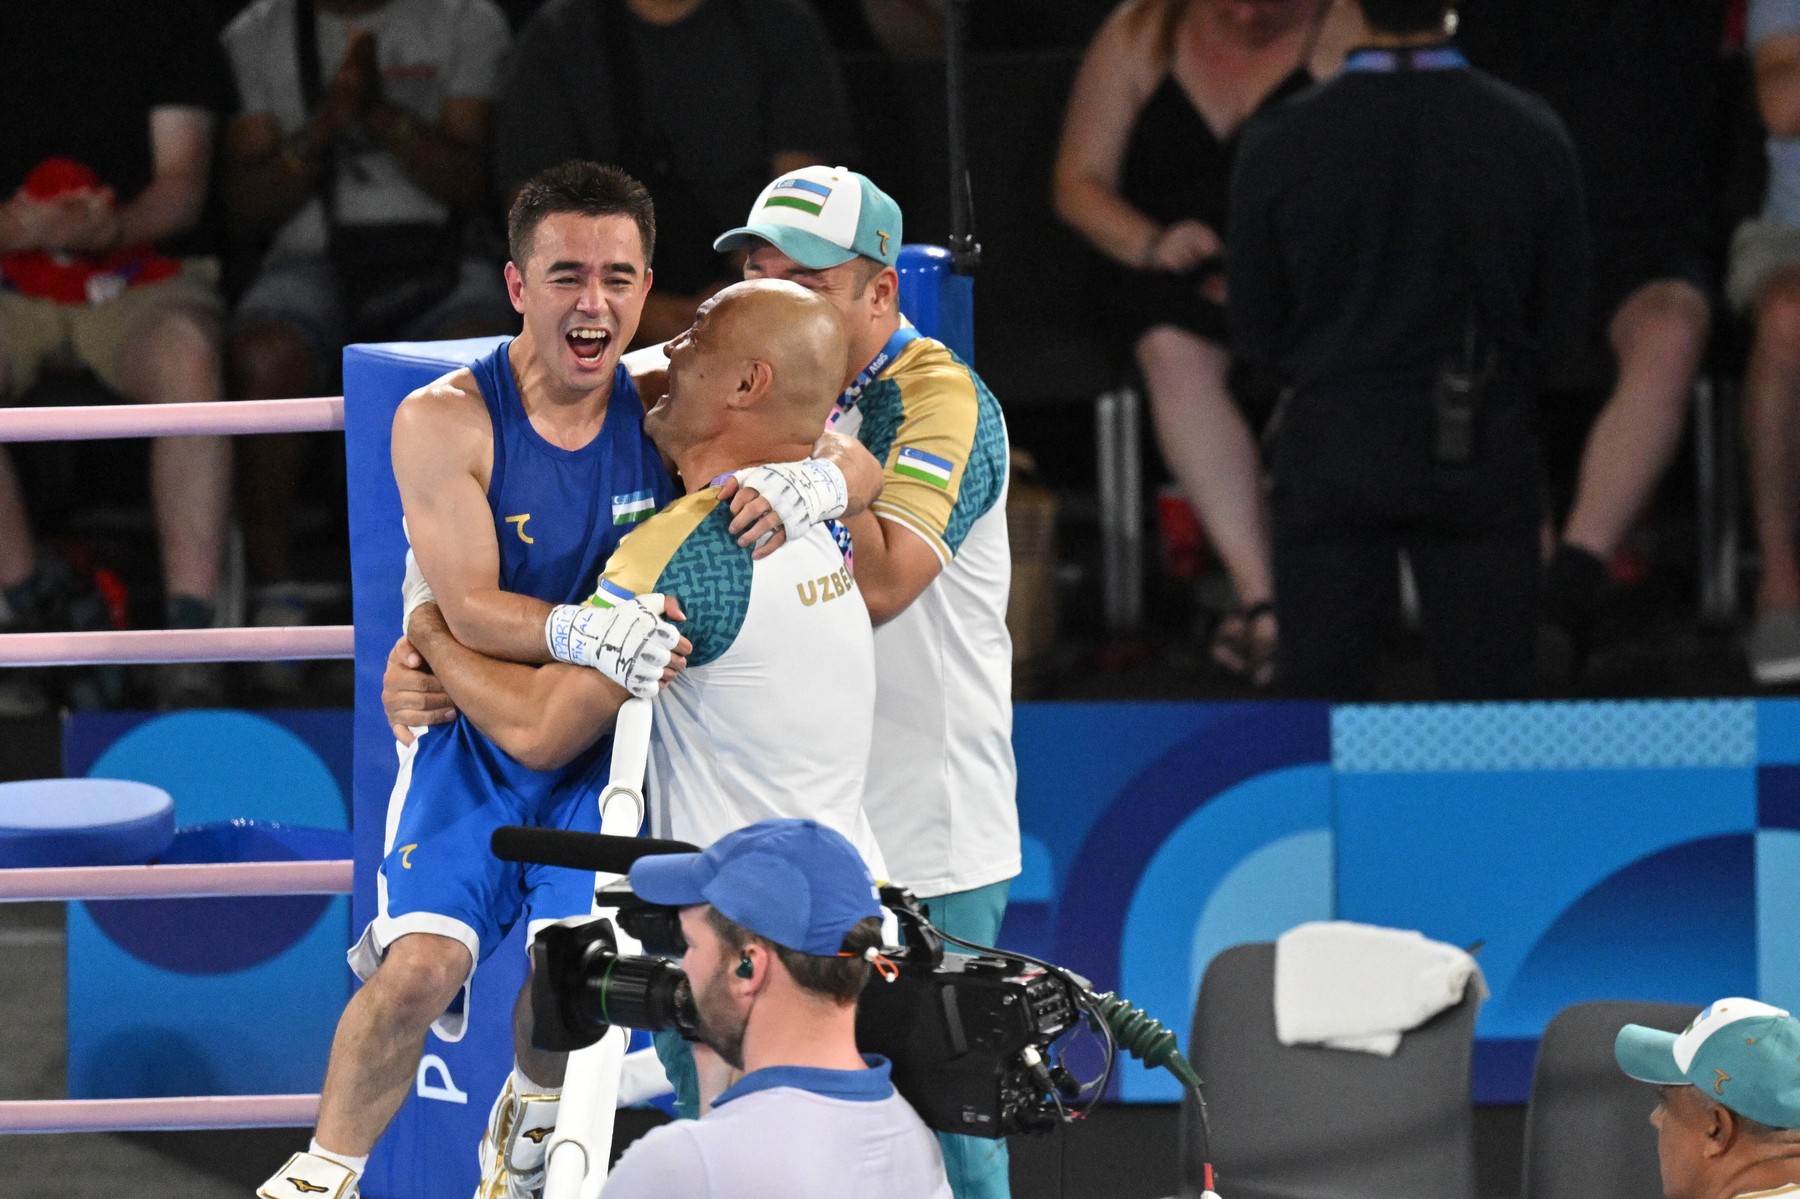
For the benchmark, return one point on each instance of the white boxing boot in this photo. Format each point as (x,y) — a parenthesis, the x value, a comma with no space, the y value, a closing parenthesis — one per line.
(309,1176)
(512,1150)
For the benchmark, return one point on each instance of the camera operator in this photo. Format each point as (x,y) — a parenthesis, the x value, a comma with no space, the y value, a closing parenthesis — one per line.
(1409,252)
(779,919)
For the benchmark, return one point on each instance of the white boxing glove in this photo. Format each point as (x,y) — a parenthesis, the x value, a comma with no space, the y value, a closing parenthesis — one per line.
(629,643)
(801,493)
(413,592)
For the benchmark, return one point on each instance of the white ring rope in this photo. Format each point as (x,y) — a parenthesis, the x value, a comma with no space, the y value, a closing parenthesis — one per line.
(198,880)
(319,414)
(281,643)
(151,1115)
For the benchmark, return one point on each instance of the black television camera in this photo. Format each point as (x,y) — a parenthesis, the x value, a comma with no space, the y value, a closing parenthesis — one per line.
(967,1035)
(971,1038)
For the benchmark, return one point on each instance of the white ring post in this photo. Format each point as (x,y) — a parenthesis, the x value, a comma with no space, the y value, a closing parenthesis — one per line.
(577,1160)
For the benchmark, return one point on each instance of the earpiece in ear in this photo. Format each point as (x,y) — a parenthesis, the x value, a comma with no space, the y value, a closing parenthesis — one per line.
(744,967)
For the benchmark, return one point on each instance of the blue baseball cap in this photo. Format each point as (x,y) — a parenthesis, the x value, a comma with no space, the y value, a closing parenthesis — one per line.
(795,882)
(1740,1053)
(822,217)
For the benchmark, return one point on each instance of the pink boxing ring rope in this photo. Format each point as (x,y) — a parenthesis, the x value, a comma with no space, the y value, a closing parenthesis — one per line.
(209,880)
(159,1115)
(320,414)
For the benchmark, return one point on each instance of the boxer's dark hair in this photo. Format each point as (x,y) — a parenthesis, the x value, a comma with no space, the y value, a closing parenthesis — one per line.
(587,188)
(1405,16)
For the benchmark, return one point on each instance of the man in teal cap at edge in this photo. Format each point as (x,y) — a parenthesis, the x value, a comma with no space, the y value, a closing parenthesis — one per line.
(1728,1125)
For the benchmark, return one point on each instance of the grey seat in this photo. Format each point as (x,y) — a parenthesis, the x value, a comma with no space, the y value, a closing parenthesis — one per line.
(1587,1129)
(1301,1122)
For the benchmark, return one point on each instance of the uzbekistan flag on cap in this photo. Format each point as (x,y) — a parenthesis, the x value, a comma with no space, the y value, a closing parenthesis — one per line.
(609,595)
(629,509)
(795,192)
(915,463)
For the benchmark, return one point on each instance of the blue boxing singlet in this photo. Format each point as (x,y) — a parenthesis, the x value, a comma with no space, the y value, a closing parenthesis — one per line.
(558,515)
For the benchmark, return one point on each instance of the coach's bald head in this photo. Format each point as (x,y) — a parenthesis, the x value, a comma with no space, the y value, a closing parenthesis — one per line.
(756,374)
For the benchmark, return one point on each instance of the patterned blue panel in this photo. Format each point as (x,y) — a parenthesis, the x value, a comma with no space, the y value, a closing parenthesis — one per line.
(1778,797)
(1247,865)
(1778,916)
(1778,731)
(1543,736)
(1239,742)
(1500,857)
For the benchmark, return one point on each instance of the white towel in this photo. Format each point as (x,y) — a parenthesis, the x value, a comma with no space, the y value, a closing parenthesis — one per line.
(1359,986)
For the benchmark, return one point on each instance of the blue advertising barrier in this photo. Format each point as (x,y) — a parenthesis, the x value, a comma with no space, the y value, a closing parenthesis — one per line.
(1627,850)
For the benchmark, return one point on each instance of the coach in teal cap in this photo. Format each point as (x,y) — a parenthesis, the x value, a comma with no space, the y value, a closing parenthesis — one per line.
(821,217)
(1729,1121)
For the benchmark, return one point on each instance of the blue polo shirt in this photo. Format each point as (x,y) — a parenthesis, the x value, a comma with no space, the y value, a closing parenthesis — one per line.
(797,1132)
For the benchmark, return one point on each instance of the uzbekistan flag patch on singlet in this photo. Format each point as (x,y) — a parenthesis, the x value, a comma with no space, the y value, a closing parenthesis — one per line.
(915,463)
(634,507)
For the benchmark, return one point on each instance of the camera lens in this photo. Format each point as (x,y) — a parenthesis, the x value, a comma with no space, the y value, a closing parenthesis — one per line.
(642,992)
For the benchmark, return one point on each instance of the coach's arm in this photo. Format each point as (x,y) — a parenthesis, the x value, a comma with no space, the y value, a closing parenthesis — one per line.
(540,716)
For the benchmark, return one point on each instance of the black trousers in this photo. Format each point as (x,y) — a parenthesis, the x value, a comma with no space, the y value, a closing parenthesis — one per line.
(1475,555)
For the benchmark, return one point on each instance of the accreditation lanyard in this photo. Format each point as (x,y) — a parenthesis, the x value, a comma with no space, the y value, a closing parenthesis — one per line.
(1424,58)
(904,336)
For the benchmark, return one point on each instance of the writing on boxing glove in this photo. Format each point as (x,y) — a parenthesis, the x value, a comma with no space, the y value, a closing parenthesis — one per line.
(628,641)
(801,494)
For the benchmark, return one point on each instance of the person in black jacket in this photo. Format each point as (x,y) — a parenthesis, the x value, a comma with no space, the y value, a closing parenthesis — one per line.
(1409,254)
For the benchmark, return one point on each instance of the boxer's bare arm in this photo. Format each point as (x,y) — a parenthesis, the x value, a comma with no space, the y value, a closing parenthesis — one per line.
(443,450)
(541,716)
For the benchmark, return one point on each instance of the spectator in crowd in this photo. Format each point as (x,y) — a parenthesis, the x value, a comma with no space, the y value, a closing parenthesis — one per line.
(1728,1124)
(701,99)
(1143,173)
(1633,80)
(1764,281)
(359,148)
(104,264)
(1408,249)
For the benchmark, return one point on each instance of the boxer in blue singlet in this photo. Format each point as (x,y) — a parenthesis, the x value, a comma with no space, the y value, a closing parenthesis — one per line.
(518,477)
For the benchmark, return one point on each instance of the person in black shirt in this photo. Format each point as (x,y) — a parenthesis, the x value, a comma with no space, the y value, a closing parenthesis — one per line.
(703,100)
(1409,253)
(104,163)
(1634,81)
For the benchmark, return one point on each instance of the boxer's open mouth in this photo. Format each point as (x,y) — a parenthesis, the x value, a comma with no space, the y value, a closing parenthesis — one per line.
(588,344)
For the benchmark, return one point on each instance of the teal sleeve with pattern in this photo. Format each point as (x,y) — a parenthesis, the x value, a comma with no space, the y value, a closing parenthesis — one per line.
(710,576)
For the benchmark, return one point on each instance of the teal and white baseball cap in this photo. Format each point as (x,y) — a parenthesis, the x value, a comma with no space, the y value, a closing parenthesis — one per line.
(821,217)
(1742,1054)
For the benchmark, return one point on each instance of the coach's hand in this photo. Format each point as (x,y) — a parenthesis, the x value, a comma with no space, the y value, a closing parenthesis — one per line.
(631,643)
(411,695)
(774,504)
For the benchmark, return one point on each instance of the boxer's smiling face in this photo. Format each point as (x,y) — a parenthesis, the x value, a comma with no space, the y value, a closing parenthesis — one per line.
(581,294)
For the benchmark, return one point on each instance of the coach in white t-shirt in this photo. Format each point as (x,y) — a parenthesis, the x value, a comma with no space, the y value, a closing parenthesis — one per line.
(779,918)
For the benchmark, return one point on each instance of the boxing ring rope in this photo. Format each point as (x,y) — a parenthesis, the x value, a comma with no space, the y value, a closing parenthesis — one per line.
(320,414)
(182,881)
(159,1115)
(201,880)
(178,645)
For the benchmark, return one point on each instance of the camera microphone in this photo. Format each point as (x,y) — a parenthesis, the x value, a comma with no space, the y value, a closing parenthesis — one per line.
(598,852)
